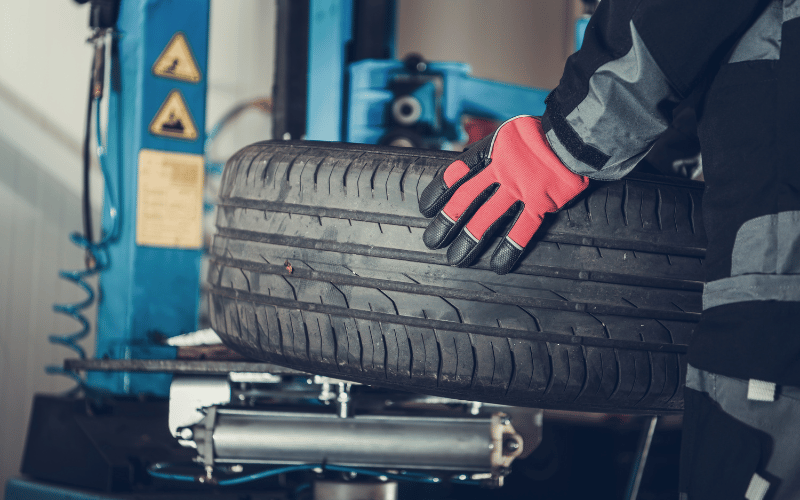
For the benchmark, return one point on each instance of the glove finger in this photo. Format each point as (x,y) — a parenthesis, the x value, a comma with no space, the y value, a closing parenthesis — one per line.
(517,237)
(446,182)
(480,228)
(493,209)
(463,200)
(466,200)
(443,228)
(441,188)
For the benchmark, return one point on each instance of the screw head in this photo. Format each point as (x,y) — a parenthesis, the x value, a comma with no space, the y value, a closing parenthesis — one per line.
(510,445)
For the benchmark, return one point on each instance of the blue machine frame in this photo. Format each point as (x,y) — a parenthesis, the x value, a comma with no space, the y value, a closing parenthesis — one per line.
(330,30)
(147,292)
(352,102)
(445,94)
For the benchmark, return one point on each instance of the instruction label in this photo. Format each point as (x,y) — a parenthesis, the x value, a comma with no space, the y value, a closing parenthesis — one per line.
(177,61)
(174,119)
(169,208)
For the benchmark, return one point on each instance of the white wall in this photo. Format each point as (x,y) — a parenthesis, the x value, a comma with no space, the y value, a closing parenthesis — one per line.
(37,213)
(44,65)
(45,60)
(241,63)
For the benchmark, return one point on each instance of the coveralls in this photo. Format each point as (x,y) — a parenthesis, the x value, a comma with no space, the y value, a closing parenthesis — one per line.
(740,64)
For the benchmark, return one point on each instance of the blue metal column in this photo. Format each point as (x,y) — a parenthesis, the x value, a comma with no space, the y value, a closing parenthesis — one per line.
(580,30)
(330,29)
(150,292)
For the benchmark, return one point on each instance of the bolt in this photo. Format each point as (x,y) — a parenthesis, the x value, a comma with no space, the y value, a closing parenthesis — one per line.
(510,445)
(344,399)
(186,433)
(475,407)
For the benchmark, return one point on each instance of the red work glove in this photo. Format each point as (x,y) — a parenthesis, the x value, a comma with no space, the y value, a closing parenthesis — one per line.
(512,173)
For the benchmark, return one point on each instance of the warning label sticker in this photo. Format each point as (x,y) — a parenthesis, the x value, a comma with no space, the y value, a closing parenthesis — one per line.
(169,208)
(177,61)
(173,119)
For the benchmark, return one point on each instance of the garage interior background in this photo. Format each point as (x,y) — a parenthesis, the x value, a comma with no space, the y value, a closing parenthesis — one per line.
(44,65)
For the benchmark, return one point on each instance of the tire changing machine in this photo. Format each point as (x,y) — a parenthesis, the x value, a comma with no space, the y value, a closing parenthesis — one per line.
(235,425)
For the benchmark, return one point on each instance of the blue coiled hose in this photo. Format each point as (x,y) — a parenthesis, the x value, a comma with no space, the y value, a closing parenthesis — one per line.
(96,261)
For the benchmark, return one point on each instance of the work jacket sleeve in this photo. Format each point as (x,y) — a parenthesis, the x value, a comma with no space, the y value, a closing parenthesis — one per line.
(638,60)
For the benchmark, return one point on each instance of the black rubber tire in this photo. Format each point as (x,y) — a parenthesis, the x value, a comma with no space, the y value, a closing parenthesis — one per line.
(318,264)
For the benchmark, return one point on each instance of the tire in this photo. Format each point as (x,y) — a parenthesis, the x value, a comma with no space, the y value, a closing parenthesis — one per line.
(319,265)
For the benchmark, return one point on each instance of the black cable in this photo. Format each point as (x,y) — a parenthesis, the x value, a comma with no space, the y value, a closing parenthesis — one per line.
(87,160)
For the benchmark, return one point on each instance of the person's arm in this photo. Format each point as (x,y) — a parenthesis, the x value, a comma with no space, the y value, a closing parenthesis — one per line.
(638,60)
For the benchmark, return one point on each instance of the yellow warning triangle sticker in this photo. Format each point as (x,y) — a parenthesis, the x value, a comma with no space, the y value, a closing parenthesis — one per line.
(173,119)
(177,62)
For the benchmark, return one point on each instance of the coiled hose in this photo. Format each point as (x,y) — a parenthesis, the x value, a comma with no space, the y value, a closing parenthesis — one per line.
(96,252)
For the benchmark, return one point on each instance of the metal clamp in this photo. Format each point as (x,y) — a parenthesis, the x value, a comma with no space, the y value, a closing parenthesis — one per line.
(507,445)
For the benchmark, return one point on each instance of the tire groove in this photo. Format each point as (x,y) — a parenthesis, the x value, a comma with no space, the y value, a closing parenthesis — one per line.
(422,223)
(444,293)
(386,184)
(402,179)
(385,352)
(308,340)
(266,171)
(624,202)
(551,377)
(494,362)
(441,259)
(513,367)
(410,353)
(335,343)
(316,170)
(490,331)
(659,205)
(475,364)
(585,382)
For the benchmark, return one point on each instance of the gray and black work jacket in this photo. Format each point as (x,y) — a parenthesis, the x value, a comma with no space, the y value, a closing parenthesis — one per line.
(740,62)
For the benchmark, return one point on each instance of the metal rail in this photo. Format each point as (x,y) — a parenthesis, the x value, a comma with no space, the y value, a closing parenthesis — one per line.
(178,366)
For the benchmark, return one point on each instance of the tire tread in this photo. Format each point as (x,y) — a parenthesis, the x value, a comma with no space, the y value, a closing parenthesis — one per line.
(595,318)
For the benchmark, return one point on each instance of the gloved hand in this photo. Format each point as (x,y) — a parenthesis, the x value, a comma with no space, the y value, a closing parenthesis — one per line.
(511,173)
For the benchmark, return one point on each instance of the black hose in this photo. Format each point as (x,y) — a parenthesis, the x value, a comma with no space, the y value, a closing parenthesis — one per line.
(87,161)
